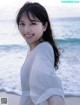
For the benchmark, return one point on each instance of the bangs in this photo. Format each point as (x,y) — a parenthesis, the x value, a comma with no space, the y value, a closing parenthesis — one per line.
(30,15)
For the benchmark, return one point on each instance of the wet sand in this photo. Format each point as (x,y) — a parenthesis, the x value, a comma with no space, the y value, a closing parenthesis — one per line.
(13,99)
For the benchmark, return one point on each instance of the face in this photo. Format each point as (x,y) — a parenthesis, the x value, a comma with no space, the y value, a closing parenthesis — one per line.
(31,30)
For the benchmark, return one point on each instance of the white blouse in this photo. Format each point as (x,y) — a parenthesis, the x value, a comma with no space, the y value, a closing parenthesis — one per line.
(38,79)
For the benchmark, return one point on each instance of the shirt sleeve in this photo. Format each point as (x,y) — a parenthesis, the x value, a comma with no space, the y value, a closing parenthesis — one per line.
(43,81)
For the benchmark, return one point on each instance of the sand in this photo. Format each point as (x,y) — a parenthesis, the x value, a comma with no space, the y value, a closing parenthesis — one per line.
(14,99)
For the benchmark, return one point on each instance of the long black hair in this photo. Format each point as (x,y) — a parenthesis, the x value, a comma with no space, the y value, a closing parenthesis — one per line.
(37,10)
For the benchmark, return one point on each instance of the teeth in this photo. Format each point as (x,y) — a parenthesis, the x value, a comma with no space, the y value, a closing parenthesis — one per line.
(29,36)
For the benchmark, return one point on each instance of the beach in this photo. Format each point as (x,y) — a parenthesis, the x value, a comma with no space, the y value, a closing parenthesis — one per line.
(13,50)
(13,99)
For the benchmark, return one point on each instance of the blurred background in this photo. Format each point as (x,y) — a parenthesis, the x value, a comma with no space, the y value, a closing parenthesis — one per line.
(65,21)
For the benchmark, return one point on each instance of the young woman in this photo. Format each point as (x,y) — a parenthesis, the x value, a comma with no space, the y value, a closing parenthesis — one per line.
(40,85)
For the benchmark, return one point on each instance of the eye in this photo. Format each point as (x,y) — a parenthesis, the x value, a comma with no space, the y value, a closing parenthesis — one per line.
(33,23)
(21,24)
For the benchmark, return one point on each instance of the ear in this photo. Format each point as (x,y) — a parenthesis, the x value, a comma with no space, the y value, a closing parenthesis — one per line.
(45,26)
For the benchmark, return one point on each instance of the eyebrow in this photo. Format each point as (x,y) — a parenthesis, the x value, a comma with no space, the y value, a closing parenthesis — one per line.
(31,20)
(21,21)
(35,20)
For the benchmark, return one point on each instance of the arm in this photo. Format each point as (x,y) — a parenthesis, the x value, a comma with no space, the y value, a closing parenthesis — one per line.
(44,84)
(56,100)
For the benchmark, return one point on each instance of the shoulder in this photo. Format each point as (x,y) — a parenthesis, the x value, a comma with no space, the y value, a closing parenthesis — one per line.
(44,50)
(45,47)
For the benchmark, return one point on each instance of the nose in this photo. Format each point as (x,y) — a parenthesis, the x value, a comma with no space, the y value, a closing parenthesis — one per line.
(26,30)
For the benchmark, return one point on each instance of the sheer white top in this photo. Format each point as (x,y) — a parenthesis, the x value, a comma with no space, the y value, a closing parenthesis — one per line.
(38,79)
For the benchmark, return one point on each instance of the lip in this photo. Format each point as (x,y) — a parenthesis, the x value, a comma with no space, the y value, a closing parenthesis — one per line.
(29,36)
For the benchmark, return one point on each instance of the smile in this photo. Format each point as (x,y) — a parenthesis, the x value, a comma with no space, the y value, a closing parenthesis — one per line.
(29,36)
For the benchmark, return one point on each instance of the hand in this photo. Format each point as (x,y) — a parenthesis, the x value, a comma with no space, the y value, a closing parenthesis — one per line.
(56,100)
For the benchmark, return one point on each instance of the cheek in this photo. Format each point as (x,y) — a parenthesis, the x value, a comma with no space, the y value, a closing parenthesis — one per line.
(20,30)
(38,31)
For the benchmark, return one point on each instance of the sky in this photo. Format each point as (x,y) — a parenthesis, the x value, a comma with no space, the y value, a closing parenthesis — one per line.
(55,8)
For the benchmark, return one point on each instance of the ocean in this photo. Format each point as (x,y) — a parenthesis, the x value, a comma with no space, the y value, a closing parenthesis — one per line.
(13,50)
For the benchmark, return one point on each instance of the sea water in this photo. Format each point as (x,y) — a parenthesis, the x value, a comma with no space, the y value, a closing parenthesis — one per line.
(13,50)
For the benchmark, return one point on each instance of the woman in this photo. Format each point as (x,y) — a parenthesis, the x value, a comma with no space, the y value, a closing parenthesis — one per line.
(40,85)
